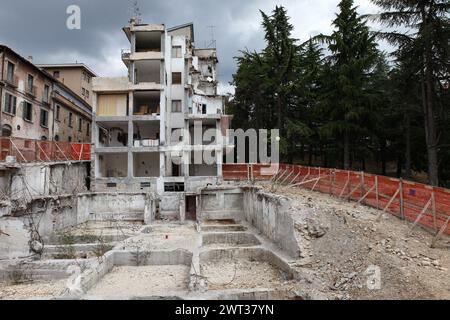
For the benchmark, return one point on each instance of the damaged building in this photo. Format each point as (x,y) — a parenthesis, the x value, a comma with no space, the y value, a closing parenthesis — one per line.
(145,123)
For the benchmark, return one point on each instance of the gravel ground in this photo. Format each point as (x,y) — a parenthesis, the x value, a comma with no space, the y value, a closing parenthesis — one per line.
(32,290)
(341,240)
(142,281)
(243,274)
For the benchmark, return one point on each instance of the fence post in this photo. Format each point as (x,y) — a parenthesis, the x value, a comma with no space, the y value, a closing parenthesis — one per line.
(433,208)
(402,203)
(376,193)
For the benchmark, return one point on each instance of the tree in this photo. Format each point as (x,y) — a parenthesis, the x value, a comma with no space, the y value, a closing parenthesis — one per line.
(428,43)
(353,54)
(265,82)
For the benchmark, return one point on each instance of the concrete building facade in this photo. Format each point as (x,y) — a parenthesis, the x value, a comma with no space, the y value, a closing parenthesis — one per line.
(144,123)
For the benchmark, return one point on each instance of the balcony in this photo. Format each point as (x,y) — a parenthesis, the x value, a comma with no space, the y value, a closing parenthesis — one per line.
(12,81)
(146,134)
(31,90)
(147,104)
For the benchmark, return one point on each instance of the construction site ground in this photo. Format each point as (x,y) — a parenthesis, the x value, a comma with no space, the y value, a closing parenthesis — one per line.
(345,241)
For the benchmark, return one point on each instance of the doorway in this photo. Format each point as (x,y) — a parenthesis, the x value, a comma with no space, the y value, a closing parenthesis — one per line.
(191,208)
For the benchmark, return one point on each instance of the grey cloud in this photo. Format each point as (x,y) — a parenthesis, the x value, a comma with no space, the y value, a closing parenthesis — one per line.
(38,28)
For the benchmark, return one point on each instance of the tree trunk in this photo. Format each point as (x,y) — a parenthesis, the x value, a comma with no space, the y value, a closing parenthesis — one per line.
(346,151)
(408,169)
(430,127)
(383,157)
(428,104)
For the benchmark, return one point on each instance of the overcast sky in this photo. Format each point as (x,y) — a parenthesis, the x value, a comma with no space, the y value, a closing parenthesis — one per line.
(38,27)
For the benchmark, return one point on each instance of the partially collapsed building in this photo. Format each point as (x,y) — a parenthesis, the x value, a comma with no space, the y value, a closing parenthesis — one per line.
(154,128)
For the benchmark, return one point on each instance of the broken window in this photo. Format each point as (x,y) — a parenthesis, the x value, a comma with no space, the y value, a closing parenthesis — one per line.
(27,111)
(176,77)
(58,112)
(30,84)
(46,94)
(10,72)
(176,105)
(10,103)
(44,118)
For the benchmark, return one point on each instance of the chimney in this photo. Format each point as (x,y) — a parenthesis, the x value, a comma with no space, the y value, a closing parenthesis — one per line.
(30,59)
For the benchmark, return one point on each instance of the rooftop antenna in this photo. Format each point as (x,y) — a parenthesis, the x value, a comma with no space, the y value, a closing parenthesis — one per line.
(212,42)
(135,12)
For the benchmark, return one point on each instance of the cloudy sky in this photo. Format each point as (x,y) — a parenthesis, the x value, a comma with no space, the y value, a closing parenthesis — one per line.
(38,27)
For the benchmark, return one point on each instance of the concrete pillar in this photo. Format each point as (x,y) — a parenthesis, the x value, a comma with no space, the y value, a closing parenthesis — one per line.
(130,165)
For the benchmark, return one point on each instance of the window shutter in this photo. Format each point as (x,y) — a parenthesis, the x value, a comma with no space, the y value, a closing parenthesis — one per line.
(14,105)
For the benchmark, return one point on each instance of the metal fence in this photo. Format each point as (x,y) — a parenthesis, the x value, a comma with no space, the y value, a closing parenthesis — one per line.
(419,203)
(27,150)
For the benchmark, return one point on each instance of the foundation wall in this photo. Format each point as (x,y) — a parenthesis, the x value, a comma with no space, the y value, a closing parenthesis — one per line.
(222,204)
(270,214)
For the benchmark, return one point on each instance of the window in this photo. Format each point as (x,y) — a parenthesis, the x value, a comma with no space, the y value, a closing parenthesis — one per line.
(88,129)
(10,103)
(10,72)
(80,124)
(44,138)
(70,139)
(44,118)
(58,112)
(30,83)
(203,108)
(83,92)
(70,119)
(46,93)
(27,111)
(56,74)
(87,94)
(56,138)
(176,105)
(176,77)
(176,52)
(6,130)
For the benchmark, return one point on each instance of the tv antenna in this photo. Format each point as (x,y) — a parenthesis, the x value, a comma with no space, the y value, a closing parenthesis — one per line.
(212,42)
(135,12)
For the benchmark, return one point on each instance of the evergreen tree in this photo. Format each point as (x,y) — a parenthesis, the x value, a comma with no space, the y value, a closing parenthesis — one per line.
(428,42)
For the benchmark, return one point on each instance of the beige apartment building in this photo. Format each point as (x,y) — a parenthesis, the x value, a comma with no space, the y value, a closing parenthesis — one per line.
(76,76)
(25,92)
(34,105)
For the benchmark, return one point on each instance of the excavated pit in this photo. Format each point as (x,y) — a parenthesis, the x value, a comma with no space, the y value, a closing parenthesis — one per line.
(231,239)
(252,270)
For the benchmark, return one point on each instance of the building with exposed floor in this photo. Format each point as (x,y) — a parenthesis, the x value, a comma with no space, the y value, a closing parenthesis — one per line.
(162,128)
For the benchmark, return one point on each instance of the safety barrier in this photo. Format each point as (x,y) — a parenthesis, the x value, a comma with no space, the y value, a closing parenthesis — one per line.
(419,203)
(27,150)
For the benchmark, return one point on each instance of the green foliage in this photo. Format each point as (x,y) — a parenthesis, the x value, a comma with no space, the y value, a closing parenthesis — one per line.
(340,102)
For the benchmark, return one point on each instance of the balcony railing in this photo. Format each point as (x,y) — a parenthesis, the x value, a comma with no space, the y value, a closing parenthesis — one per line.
(31,90)
(13,81)
(126,54)
(147,143)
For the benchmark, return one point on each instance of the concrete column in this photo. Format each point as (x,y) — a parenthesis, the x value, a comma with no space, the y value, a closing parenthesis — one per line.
(130,165)
(219,159)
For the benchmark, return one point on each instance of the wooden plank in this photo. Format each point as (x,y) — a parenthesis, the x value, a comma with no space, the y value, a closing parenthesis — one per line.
(388,205)
(440,233)
(420,215)
(365,196)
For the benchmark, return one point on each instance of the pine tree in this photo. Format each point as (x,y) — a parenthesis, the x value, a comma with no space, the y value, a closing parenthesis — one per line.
(353,54)
(428,42)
